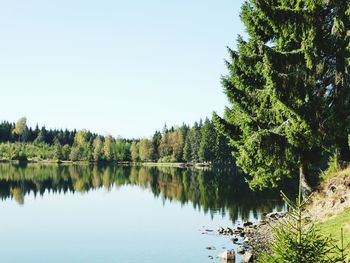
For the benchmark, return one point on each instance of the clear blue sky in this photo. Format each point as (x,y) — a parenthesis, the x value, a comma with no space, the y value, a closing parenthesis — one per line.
(113,66)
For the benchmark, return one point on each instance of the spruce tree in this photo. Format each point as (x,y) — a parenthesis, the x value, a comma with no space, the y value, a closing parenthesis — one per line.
(277,105)
(207,145)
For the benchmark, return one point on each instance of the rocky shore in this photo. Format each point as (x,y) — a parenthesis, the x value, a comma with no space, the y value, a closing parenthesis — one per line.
(250,239)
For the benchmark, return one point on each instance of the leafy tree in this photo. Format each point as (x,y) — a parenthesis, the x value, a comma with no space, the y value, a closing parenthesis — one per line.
(134,151)
(146,149)
(65,152)
(107,148)
(121,150)
(58,150)
(97,149)
(177,144)
(21,128)
(81,148)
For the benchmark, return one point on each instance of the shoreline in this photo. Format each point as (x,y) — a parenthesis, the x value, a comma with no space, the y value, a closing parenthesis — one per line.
(126,163)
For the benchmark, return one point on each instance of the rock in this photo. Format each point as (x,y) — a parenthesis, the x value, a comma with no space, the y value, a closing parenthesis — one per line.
(220,230)
(242,234)
(227,255)
(240,250)
(211,248)
(210,257)
(247,224)
(332,188)
(234,240)
(246,241)
(275,215)
(342,199)
(247,258)
(261,223)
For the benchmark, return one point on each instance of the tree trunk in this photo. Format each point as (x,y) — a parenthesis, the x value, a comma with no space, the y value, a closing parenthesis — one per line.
(344,154)
(305,188)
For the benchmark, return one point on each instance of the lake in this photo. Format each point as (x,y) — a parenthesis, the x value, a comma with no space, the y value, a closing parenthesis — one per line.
(90,213)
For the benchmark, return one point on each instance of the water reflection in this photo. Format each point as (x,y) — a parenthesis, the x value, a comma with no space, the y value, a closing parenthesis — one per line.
(213,191)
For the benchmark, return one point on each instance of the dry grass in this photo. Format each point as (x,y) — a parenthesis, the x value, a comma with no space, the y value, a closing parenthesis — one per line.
(330,205)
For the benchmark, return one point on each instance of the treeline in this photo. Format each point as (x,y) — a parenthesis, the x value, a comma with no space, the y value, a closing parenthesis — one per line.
(199,143)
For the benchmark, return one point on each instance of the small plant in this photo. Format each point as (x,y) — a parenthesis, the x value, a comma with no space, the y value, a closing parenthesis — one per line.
(340,251)
(298,240)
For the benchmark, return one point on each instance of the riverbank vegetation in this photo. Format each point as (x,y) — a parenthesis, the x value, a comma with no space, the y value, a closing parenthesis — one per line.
(187,144)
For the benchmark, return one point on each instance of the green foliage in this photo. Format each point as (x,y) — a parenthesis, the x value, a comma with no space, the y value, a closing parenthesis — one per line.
(167,159)
(58,150)
(134,151)
(146,150)
(121,150)
(81,148)
(21,128)
(288,88)
(298,240)
(65,152)
(97,149)
(332,166)
(208,142)
(169,146)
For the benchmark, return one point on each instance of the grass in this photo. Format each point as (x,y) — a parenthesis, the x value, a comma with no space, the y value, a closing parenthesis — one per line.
(333,225)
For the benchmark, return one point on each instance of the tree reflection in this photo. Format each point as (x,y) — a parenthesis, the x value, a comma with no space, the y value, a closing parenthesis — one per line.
(213,191)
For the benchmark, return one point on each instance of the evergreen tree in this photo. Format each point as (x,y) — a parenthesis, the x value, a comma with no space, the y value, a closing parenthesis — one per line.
(195,139)
(278,100)
(156,139)
(207,145)
(187,148)
(41,136)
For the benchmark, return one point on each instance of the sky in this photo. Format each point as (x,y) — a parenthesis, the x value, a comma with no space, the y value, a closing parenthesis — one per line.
(115,67)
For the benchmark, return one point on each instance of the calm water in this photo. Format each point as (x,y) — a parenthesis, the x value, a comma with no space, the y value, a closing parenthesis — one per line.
(71,213)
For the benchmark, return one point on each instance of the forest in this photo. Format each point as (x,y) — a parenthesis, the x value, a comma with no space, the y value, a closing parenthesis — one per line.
(191,144)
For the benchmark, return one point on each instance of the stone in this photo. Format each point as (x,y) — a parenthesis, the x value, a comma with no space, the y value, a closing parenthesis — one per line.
(247,224)
(247,258)
(227,255)
(275,215)
(240,250)
(246,240)
(234,240)
(211,248)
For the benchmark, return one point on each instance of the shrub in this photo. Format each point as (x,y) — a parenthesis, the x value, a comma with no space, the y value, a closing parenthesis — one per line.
(298,240)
